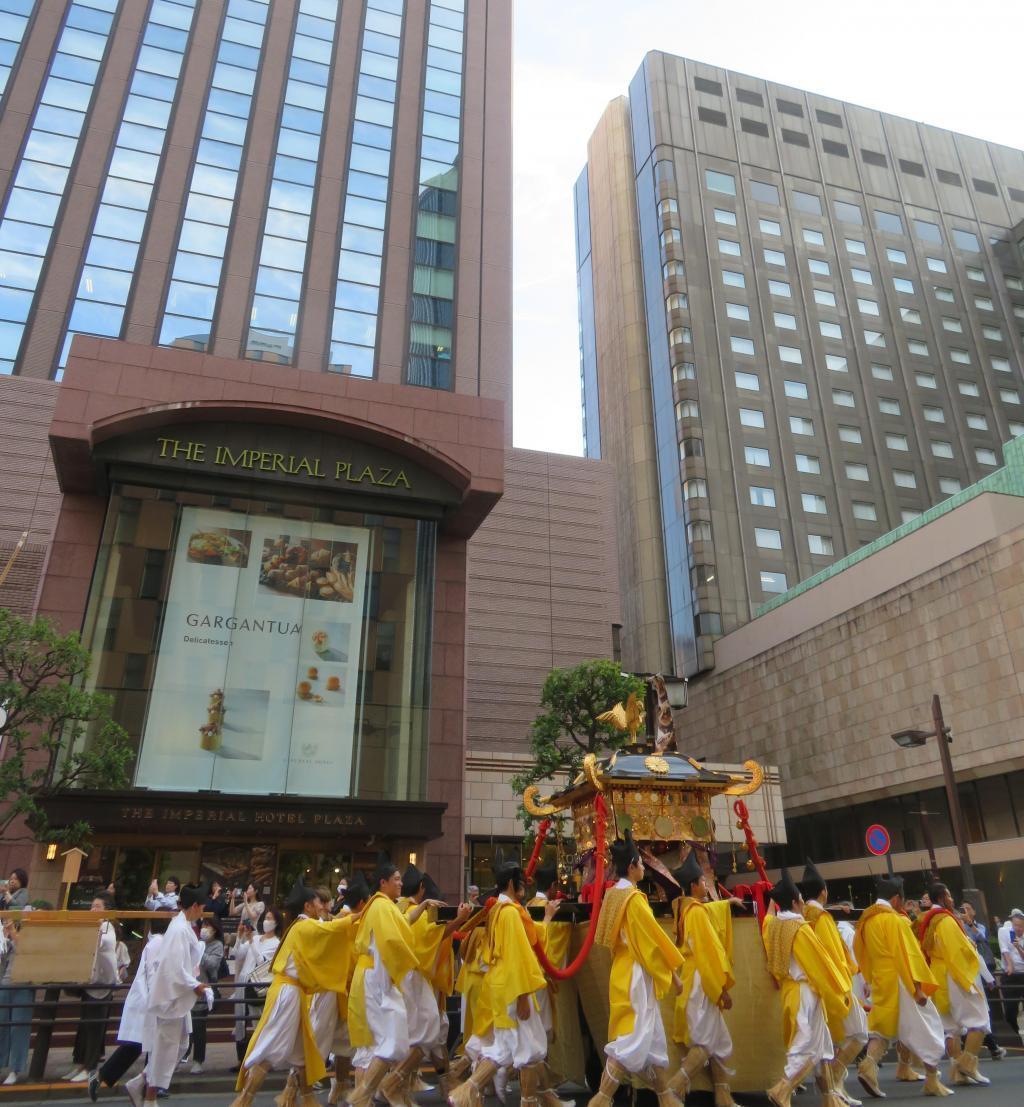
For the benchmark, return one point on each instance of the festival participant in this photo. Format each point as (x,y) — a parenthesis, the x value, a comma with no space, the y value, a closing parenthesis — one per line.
(172,991)
(554,940)
(851,1035)
(704,938)
(645,967)
(354,899)
(313,957)
(960,997)
(901,984)
(426,988)
(815,994)
(377,1016)
(507,1028)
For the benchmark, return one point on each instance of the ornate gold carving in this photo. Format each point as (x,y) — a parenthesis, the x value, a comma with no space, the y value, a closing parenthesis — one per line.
(536,806)
(628,716)
(746,787)
(592,771)
(656,763)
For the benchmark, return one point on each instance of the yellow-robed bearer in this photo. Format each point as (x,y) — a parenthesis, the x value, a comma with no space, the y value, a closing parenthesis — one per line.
(426,987)
(901,983)
(815,994)
(356,896)
(704,938)
(313,957)
(378,1019)
(554,938)
(507,1028)
(960,997)
(851,1035)
(645,967)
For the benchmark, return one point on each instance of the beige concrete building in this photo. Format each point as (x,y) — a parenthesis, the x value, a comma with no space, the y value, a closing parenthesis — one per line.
(818,682)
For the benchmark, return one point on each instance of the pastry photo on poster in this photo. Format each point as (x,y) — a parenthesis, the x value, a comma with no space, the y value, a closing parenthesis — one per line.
(256,680)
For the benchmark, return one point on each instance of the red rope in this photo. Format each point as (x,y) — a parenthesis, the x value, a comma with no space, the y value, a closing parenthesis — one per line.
(759,890)
(600,822)
(538,845)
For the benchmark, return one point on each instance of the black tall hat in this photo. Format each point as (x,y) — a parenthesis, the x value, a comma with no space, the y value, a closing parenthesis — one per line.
(689,872)
(544,876)
(299,896)
(785,892)
(430,888)
(412,878)
(357,892)
(624,851)
(506,869)
(192,894)
(812,883)
(889,886)
(383,870)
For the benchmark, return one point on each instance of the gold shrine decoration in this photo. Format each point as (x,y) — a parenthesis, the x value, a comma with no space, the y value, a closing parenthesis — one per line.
(628,717)
(747,787)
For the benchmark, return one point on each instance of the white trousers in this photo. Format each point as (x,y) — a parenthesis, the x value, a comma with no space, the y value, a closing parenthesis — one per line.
(855,1025)
(646,1045)
(920,1029)
(706,1024)
(812,1042)
(323,1016)
(169,1039)
(967,1010)
(279,1044)
(517,1046)
(387,1018)
(421,1010)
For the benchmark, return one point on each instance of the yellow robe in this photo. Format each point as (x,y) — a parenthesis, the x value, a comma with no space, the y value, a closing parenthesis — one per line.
(512,968)
(322,954)
(471,977)
(392,936)
(827,932)
(554,940)
(704,937)
(635,938)
(950,953)
(433,950)
(888,954)
(785,938)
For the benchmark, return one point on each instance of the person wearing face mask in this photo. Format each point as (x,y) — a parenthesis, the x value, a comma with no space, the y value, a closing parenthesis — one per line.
(254,955)
(212,937)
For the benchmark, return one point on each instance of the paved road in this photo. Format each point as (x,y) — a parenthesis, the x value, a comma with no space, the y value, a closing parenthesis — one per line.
(1006,1090)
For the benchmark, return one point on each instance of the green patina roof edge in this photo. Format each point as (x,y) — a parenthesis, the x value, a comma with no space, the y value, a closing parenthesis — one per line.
(1009,481)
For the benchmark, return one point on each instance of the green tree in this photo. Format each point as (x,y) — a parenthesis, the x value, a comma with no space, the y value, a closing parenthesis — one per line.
(567,728)
(46,713)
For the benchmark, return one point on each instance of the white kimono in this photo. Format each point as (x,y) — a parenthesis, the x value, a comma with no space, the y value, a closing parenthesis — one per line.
(172,994)
(133,1014)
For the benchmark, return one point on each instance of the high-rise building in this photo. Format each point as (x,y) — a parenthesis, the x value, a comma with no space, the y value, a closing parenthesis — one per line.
(800,327)
(255,346)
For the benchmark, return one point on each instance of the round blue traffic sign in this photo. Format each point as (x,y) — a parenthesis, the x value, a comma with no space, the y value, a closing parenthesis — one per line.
(877,839)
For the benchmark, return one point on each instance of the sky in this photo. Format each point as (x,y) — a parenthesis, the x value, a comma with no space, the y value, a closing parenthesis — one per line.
(945,62)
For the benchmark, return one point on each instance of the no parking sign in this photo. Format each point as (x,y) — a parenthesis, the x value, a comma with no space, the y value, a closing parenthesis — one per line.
(876,837)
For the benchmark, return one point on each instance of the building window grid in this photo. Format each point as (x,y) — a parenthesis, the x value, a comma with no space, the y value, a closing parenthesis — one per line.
(34,200)
(210,202)
(273,315)
(15,18)
(433,291)
(112,251)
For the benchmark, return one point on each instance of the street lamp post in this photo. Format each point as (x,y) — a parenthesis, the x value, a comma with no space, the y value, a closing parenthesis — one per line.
(909,739)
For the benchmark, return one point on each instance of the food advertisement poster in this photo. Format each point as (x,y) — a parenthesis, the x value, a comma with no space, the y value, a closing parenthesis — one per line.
(256,680)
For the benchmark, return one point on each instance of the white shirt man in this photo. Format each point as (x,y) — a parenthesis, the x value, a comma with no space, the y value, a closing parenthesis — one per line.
(172,990)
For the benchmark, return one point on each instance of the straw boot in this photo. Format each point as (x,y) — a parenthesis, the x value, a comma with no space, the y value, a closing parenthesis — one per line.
(867,1070)
(933,1085)
(288,1097)
(306,1097)
(660,1084)
(905,1070)
(457,1071)
(547,1081)
(254,1077)
(825,1080)
(968,1060)
(693,1062)
(342,1074)
(612,1076)
(781,1094)
(395,1086)
(845,1055)
(529,1078)
(366,1088)
(720,1080)
(467,1094)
